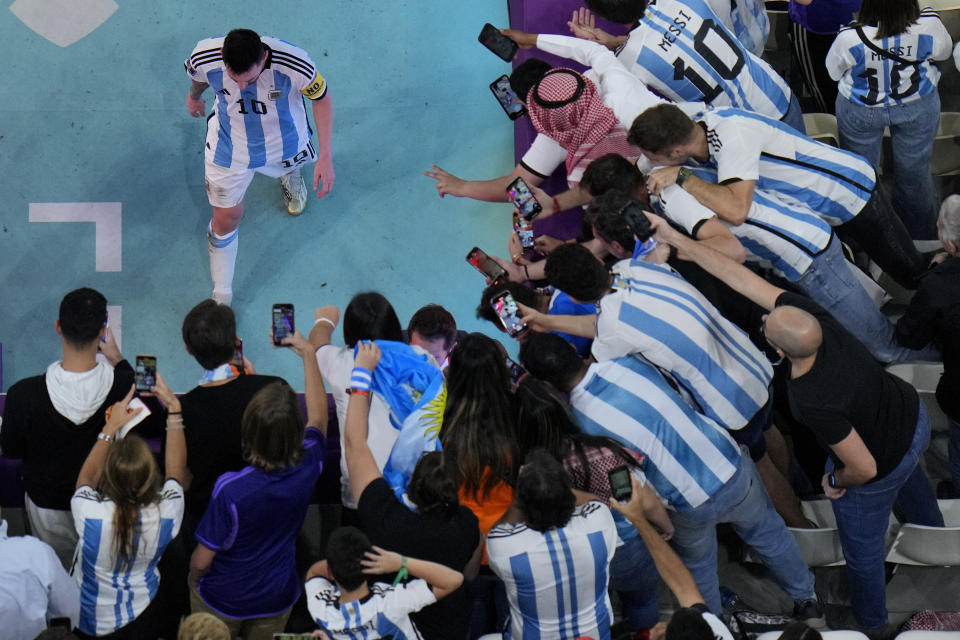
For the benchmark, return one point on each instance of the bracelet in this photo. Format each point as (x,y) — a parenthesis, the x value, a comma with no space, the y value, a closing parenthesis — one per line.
(358,392)
(516,258)
(325,319)
(556,205)
(106,437)
(673,253)
(526,272)
(403,573)
(174,413)
(174,427)
(360,379)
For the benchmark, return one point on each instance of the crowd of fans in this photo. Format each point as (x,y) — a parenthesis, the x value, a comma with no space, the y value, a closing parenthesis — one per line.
(706,310)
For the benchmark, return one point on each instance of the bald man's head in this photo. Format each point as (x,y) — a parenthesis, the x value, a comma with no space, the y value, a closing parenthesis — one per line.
(794,331)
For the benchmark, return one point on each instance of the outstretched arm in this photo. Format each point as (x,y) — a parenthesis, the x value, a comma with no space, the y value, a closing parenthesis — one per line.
(494,190)
(175,454)
(323,169)
(117,416)
(361,465)
(316,395)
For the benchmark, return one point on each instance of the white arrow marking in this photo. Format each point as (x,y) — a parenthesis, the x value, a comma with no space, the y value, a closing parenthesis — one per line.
(106,215)
(63,22)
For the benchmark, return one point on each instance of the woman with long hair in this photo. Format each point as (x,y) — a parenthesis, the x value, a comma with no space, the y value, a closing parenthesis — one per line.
(885,65)
(544,421)
(125,517)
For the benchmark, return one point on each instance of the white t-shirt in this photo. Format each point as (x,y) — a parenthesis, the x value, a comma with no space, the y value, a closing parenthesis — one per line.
(111,596)
(385,613)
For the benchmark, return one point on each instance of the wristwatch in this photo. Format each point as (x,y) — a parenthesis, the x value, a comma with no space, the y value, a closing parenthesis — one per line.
(105,437)
(682,175)
(832,480)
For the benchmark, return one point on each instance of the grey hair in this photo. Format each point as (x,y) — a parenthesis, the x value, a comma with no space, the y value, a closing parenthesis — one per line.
(949,221)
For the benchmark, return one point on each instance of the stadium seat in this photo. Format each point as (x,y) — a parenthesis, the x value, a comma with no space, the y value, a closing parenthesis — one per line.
(822,127)
(779,27)
(819,547)
(924,377)
(930,546)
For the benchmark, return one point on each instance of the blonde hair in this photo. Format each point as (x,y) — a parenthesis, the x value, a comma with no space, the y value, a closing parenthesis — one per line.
(132,480)
(203,626)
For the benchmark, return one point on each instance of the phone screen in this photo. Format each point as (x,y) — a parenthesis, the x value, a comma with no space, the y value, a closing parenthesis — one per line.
(516,371)
(282,322)
(145,375)
(485,265)
(620,486)
(522,197)
(524,230)
(509,313)
(238,355)
(507,97)
(492,39)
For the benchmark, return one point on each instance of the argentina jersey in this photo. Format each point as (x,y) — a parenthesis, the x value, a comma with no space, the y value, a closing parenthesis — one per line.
(776,235)
(655,312)
(833,183)
(688,457)
(867,77)
(266,122)
(681,50)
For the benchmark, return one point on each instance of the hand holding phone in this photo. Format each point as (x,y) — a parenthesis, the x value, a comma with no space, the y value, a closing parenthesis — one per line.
(501,45)
(523,199)
(483,263)
(524,230)
(283,324)
(620,485)
(508,98)
(145,373)
(508,312)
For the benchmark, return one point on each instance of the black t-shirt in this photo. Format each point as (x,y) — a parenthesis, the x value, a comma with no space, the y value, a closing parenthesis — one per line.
(212,418)
(391,525)
(848,389)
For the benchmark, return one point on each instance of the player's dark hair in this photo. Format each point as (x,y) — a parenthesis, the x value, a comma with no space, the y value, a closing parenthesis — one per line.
(83,313)
(611,171)
(271,431)
(522,294)
(543,492)
(370,316)
(604,215)
(241,50)
(577,272)
(345,550)
(688,624)
(660,128)
(552,359)
(527,75)
(798,630)
(210,333)
(432,487)
(890,17)
(432,322)
(619,11)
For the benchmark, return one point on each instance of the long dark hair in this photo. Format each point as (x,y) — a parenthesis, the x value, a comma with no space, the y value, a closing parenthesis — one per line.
(544,421)
(478,432)
(131,480)
(890,17)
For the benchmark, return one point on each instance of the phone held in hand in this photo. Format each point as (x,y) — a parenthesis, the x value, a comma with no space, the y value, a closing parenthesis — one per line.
(501,45)
(282,322)
(620,485)
(524,230)
(508,98)
(523,199)
(145,373)
(483,263)
(508,312)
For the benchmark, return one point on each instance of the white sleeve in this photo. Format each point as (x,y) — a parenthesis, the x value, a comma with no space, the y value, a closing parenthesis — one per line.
(683,209)
(542,158)
(839,60)
(956,56)
(409,598)
(313,588)
(739,157)
(608,344)
(941,38)
(723,10)
(85,503)
(171,503)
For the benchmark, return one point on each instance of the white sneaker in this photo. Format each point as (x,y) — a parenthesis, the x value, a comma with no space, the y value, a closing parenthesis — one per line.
(294,192)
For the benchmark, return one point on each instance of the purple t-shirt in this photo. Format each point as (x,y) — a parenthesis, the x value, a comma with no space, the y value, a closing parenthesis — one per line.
(824,16)
(252,523)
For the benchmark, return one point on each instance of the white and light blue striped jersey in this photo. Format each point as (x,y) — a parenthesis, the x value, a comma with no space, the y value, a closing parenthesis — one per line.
(751,24)
(557,581)
(871,79)
(112,595)
(655,312)
(688,457)
(681,50)
(385,614)
(266,122)
(833,183)
(776,235)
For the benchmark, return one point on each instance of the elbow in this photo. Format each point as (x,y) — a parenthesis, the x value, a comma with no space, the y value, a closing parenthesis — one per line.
(737,215)
(864,472)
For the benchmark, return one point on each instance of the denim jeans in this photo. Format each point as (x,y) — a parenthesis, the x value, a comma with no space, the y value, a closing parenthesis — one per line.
(794,115)
(830,283)
(863,513)
(743,502)
(634,577)
(913,127)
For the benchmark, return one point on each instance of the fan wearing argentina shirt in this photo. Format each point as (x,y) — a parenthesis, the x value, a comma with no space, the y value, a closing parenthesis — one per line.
(682,50)
(690,460)
(258,125)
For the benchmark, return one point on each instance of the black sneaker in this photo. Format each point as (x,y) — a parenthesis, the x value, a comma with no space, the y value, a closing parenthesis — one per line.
(810,611)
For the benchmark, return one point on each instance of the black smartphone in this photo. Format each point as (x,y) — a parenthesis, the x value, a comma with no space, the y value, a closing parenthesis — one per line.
(485,265)
(492,39)
(145,374)
(523,199)
(508,98)
(509,313)
(620,484)
(282,322)
(515,369)
(524,230)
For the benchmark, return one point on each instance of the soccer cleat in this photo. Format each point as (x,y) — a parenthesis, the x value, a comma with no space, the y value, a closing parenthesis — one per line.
(294,192)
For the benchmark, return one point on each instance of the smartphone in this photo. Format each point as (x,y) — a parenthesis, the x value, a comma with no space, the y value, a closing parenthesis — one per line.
(515,369)
(282,322)
(485,265)
(524,230)
(509,313)
(492,39)
(237,360)
(145,375)
(523,199)
(508,98)
(620,485)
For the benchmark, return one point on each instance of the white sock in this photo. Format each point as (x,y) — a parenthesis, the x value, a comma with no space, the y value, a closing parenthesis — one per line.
(223,257)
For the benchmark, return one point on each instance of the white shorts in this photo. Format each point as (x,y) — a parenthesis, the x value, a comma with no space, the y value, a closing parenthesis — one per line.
(226,187)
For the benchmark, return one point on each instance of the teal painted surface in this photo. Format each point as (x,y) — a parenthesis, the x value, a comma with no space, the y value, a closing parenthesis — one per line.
(104,120)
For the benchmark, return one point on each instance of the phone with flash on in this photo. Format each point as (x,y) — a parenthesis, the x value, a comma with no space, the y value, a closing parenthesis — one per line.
(145,373)
(282,322)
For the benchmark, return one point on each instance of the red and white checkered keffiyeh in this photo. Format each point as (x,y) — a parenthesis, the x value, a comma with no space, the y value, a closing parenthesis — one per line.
(567,107)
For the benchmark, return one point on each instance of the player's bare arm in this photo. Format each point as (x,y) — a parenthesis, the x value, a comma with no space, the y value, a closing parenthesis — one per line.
(323,169)
(196,105)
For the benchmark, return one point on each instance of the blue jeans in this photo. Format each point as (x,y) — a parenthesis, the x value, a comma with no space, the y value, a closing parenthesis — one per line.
(830,283)
(743,502)
(913,127)
(863,513)
(794,116)
(633,575)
